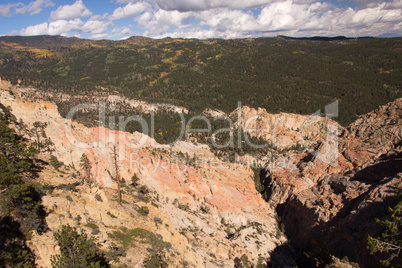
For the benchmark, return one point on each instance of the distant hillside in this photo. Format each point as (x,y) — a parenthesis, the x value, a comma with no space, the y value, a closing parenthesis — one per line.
(280,74)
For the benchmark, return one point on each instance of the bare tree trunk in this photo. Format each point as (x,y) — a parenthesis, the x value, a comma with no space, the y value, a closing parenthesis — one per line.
(117,173)
(37,138)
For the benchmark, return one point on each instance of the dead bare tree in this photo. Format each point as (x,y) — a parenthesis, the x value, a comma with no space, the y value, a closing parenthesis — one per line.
(117,171)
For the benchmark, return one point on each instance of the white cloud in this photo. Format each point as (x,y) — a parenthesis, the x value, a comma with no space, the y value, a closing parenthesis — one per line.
(397,4)
(58,27)
(34,7)
(130,10)
(5,9)
(365,3)
(124,1)
(301,18)
(158,22)
(197,5)
(377,14)
(76,10)
(97,29)
(96,26)
(284,15)
(100,36)
(227,19)
(38,29)
(119,31)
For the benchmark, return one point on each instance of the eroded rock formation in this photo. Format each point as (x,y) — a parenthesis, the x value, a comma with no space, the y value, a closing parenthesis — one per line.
(327,194)
(213,207)
(331,205)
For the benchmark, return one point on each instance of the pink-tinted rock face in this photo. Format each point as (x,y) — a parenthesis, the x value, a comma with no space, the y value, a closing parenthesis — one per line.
(325,191)
(331,205)
(225,192)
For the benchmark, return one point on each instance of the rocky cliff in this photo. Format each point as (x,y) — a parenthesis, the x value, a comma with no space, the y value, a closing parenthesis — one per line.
(327,193)
(210,210)
(285,130)
(331,205)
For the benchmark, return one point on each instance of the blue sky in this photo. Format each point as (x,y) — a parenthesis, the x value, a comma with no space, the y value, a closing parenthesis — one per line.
(119,19)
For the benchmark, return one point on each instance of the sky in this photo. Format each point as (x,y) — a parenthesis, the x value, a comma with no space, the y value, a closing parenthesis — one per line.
(120,19)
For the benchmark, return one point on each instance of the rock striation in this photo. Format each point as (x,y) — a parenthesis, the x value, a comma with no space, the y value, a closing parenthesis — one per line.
(331,205)
(327,193)
(212,209)
(285,130)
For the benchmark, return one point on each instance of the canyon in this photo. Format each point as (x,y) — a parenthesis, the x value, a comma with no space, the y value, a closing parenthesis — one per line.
(212,213)
(326,194)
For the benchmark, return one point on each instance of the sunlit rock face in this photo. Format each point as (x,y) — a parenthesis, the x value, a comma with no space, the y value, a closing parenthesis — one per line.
(284,130)
(328,192)
(330,200)
(214,205)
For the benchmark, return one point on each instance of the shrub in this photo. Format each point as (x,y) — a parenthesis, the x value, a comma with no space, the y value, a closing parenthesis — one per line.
(55,162)
(144,210)
(205,209)
(135,180)
(14,251)
(77,250)
(98,197)
(143,189)
(68,187)
(155,260)
(48,188)
(390,242)
(25,201)
(78,219)
(115,252)
(158,220)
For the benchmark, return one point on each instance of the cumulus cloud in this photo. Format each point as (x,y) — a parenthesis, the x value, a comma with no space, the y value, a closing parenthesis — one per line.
(96,28)
(34,7)
(375,15)
(66,12)
(5,9)
(119,31)
(130,10)
(160,21)
(196,5)
(227,19)
(294,18)
(124,1)
(397,4)
(59,27)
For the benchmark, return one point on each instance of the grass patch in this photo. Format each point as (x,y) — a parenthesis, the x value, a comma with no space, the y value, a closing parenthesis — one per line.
(92,225)
(127,237)
(122,238)
(111,215)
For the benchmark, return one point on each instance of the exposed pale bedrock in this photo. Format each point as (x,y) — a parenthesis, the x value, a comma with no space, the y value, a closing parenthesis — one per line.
(332,204)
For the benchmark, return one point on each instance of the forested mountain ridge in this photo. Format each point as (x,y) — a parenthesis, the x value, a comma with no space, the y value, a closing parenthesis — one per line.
(280,74)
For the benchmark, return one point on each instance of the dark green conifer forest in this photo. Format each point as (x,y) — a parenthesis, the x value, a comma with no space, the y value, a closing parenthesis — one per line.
(280,74)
